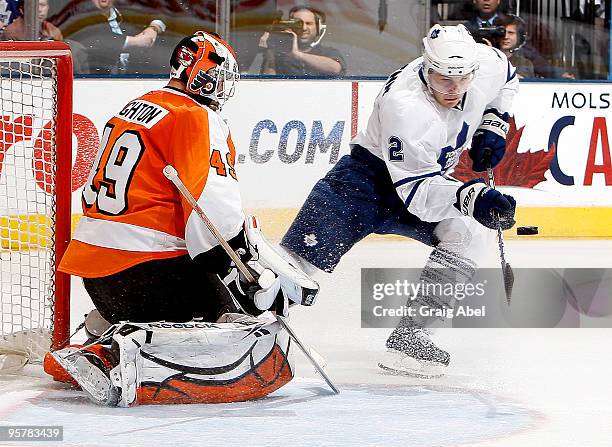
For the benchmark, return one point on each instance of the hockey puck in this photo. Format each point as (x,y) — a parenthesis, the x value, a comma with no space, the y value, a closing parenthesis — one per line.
(522,231)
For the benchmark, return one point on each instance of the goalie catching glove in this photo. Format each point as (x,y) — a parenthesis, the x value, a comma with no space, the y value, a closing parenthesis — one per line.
(278,281)
(487,205)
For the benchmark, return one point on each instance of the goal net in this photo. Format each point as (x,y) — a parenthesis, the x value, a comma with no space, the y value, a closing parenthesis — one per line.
(35,169)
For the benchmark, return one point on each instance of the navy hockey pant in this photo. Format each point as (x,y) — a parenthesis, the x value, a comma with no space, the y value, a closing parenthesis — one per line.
(356,198)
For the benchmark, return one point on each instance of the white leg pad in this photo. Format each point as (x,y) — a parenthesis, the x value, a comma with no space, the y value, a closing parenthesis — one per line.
(197,353)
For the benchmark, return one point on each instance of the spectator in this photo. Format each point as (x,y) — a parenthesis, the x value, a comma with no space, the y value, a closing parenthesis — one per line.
(48,31)
(541,66)
(512,42)
(105,42)
(487,13)
(304,56)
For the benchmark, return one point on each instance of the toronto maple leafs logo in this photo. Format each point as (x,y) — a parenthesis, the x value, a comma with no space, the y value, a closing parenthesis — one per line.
(203,83)
(310,240)
(434,34)
(449,157)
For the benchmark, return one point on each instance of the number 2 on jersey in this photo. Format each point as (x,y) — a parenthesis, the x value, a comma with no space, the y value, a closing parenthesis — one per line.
(395,149)
(117,169)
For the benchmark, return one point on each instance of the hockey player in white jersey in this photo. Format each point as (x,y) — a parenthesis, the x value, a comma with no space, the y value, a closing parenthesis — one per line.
(397,176)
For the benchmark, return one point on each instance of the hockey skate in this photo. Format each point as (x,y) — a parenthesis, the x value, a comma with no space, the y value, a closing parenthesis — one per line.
(91,372)
(411,352)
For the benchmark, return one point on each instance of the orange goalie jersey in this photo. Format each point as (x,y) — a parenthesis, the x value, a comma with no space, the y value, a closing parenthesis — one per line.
(132,212)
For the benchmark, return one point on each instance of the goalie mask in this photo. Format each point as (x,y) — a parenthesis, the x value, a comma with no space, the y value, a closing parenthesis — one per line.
(450,59)
(207,65)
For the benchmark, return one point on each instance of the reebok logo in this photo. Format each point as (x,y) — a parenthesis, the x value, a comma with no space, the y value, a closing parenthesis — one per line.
(309,300)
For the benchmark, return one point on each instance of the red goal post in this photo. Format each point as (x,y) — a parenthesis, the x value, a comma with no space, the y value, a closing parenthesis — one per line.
(35,196)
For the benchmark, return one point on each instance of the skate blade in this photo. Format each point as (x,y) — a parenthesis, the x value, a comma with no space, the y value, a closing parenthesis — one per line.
(408,373)
(401,365)
(91,379)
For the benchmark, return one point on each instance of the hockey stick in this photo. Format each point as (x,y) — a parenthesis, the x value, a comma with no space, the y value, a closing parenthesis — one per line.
(172,175)
(507,272)
(307,353)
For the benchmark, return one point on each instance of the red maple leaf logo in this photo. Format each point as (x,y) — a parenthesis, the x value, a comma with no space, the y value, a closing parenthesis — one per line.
(526,169)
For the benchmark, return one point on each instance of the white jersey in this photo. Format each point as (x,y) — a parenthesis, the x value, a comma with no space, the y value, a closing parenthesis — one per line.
(421,141)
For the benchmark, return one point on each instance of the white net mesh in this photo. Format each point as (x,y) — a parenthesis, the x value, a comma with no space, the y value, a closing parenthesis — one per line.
(28,93)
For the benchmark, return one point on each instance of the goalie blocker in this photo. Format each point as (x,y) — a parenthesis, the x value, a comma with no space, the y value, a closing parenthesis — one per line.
(297,286)
(278,281)
(239,358)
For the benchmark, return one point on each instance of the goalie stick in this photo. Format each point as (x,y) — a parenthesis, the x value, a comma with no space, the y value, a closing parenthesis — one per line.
(172,175)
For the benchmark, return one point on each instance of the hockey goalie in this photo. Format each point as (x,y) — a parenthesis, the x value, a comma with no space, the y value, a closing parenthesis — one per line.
(176,321)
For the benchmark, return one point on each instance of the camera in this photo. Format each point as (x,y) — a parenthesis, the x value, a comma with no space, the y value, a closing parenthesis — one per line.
(491,33)
(280,41)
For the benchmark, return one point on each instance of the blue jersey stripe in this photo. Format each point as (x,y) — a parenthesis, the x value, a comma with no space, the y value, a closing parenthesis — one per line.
(411,179)
(511,74)
(412,193)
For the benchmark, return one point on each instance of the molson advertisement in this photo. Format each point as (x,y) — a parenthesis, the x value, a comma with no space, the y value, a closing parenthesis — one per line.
(288,134)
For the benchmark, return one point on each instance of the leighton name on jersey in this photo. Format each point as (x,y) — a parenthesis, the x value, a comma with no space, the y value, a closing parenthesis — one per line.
(142,112)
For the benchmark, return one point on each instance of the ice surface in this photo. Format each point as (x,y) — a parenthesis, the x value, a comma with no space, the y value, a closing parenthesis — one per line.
(511,387)
(302,413)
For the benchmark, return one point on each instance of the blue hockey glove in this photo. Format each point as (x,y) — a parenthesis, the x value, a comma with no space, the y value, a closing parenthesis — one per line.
(488,206)
(490,136)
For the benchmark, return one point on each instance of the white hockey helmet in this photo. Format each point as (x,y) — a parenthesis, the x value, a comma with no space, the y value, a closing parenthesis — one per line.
(452,52)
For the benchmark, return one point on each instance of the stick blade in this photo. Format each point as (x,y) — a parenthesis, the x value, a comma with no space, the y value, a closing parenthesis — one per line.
(508,282)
